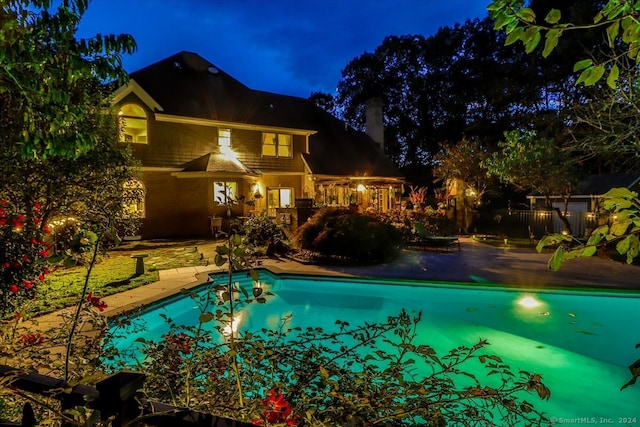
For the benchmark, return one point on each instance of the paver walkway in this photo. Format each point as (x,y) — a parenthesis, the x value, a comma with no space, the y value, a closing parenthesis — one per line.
(476,262)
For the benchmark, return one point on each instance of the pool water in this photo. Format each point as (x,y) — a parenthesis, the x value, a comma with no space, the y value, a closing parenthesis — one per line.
(581,342)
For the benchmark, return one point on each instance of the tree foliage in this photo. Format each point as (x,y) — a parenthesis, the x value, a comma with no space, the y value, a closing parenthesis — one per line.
(534,164)
(463,80)
(44,73)
(464,161)
(60,156)
(607,37)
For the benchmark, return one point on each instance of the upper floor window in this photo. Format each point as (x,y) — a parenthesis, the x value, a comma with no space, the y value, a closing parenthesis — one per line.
(276,145)
(133,198)
(224,137)
(133,124)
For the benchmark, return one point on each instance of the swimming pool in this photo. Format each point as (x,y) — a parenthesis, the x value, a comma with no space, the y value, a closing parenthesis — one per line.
(581,342)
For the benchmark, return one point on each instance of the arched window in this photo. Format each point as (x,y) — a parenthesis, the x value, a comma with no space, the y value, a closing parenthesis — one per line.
(133,124)
(133,198)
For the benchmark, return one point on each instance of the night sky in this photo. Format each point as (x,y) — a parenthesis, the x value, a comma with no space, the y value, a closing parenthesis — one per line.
(291,47)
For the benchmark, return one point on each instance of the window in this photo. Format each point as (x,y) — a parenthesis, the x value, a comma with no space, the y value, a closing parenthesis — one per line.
(224,192)
(224,137)
(133,198)
(278,198)
(276,145)
(133,124)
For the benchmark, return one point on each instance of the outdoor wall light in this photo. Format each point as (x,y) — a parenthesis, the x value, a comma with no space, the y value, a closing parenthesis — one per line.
(361,188)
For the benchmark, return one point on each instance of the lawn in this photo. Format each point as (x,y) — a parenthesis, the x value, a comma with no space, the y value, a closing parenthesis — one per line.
(113,273)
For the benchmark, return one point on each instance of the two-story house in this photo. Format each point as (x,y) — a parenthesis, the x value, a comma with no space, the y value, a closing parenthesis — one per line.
(204,138)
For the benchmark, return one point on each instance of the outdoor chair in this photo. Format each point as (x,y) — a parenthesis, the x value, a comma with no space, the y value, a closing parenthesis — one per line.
(424,239)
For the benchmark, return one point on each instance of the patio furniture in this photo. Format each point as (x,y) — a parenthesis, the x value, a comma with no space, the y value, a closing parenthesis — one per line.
(424,239)
(215,223)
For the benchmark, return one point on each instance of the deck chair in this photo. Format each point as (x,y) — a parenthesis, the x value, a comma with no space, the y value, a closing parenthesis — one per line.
(425,239)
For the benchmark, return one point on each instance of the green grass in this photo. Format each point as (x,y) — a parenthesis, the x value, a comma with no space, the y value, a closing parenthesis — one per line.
(113,273)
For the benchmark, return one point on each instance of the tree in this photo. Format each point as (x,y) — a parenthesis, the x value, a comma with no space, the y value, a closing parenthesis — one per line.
(534,164)
(60,157)
(462,80)
(43,73)
(607,115)
(464,161)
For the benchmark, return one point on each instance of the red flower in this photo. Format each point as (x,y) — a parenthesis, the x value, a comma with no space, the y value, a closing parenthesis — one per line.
(37,221)
(18,220)
(277,410)
(6,265)
(3,221)
(34,241)
(28,284)
(17,315)
(25,258)
(95,301)
(46,229)
(13,288)
(41,277)
(43,253)
(31,339)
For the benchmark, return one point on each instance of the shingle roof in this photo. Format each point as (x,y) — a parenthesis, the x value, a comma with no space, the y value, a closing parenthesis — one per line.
(186,84)
(600,184)
(214,162)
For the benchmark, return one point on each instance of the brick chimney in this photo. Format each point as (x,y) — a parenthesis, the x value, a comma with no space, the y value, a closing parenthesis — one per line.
(374,123)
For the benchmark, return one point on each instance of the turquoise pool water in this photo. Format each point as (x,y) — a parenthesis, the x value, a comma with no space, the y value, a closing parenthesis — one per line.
(581,342)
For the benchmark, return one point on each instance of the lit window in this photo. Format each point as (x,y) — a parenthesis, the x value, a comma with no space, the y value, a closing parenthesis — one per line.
(278,198)
(276,145)
(133,124)
(284,145)
(133,198)
(224,137)
(224,192)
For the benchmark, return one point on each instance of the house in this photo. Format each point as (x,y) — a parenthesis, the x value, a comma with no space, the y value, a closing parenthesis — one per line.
(203,139)
(584,204)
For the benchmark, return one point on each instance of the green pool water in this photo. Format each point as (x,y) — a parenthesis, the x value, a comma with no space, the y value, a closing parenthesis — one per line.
(582,342)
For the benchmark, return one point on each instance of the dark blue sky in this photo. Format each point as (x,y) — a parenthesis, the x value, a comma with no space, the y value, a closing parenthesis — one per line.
(291,47)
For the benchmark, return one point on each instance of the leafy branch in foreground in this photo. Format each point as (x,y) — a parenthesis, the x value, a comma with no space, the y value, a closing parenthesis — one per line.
(619,19)
(622,230)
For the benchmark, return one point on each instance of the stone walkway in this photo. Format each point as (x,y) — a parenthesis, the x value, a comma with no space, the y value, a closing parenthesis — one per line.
(476,262)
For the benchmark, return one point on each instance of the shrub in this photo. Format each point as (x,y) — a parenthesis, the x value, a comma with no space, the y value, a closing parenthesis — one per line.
(348,234)
(262,231)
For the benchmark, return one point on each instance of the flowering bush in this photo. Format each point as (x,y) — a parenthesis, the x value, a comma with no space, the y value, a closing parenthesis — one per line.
(290,376)
(24,249)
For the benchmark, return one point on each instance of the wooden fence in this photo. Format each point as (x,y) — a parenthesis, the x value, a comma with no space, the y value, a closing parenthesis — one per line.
(117,397)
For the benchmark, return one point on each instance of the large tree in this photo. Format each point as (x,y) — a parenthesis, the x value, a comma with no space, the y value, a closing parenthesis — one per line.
(535,164)
(59,156)
(605,40)
(463,161)
(463,80)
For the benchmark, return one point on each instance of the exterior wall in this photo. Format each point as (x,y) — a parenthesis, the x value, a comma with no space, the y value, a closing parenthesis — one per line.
(175,207)
(171,144)
(248,146)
